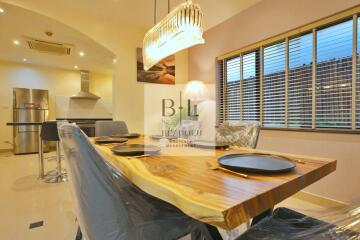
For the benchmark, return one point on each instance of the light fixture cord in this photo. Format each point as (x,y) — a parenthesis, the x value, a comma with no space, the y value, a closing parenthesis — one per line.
(154,12)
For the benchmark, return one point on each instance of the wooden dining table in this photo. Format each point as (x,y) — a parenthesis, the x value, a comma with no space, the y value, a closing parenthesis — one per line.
(184,177)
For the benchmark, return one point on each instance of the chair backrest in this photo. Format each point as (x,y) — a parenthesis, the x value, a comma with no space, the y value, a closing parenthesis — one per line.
(190,129)
(107,128)
(100,210)
(107,205)
(49,131)
(238,133)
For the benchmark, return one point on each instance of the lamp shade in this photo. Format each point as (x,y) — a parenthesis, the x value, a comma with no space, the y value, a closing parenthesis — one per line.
(196,91)
(180,29)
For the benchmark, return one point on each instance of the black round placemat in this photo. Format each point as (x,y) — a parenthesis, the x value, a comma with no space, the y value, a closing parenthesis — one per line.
(135,149)
(256,163)
(126,135)
(208,144)
(158,137)
(110,140)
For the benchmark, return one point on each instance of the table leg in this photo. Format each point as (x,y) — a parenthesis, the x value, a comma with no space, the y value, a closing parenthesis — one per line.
(261,216)
(206,232)
(213,232)
(41,155)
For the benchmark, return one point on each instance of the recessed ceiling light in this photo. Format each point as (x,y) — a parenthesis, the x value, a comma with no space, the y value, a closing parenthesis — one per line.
(114,60)
(25,60)
(2,10)
(76,67)
(16,42)
(81,54)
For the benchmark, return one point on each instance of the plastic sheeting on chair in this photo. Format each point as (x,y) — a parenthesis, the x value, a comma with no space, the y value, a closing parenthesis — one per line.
(189,129)
(107,128)
(107,205)
(286,224)
(238,133)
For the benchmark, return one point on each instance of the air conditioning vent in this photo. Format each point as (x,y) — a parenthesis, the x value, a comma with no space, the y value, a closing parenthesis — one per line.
(50,47)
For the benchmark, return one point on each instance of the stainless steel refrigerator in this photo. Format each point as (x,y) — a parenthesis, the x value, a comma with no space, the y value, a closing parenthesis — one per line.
(29,105)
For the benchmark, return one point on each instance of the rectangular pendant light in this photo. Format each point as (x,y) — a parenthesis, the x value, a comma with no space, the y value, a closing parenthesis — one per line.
(180,29)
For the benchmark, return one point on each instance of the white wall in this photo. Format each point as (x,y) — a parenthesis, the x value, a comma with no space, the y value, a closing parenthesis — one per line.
(129,95)
(342,185)
(82,108)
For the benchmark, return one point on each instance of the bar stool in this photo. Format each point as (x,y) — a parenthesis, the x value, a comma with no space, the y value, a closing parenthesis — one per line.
(49,132)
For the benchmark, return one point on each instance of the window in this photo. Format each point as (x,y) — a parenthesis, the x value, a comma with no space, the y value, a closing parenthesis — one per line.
(302,81)
(251,86)
(274,85)
(233,88)
(334,76)
(220,90)
(358,77)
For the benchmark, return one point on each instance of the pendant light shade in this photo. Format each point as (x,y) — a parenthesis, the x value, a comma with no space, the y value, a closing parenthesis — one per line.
(180,29)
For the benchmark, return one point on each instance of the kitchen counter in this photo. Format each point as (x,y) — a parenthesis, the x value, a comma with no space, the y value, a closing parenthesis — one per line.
(93,119)
(23,123)
(85,124)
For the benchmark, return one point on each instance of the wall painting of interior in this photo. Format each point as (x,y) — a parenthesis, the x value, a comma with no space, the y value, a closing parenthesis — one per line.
(162,73)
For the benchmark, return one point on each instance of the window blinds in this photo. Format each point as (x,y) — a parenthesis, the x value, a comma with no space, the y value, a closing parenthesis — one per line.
(220,89)
(334,76)
(300,82)
(251,86)
(296,92)
(274,85)
(358,76)
(233,89)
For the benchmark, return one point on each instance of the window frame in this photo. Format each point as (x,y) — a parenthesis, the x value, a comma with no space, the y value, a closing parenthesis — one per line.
(354,15)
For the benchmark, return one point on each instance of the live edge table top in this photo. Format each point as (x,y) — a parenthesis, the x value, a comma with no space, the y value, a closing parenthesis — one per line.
(183,177)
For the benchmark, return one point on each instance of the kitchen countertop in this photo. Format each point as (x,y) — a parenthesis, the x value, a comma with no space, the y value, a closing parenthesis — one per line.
(84,119)
(23,123)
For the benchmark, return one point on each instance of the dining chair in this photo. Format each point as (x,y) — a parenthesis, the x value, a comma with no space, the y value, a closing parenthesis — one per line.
(107,128)
(108,206)
(189,129)
(238,133)
(287,224)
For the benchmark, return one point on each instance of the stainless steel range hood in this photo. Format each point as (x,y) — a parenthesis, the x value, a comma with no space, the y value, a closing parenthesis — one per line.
(85,92)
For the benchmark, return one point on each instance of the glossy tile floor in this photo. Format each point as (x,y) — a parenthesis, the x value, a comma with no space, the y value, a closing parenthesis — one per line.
(25,200)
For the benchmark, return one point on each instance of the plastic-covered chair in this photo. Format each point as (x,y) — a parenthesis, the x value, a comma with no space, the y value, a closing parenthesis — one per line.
(189,129)
(286,224)
(107,128)
(108,206)
(238,133)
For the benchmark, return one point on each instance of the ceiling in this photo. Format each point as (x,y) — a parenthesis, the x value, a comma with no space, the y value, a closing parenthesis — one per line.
(17,23)
(140,13)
